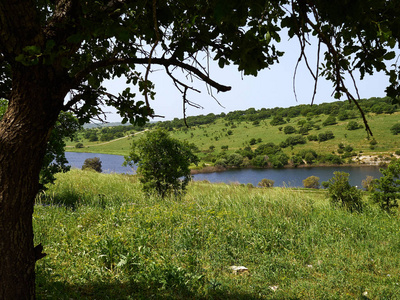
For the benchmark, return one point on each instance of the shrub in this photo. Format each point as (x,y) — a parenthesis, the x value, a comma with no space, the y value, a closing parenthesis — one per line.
(266,183)
(92,164)
(225,147)
(328,135)
(387,188)
(353,125)
(331,120)
(259,161)
(312,137)
(79,145)
(311,182)
(289,129)
(343,194)
(234,159)
(395,129)
(295,140)
(279,160)
(277,120)
(368,184)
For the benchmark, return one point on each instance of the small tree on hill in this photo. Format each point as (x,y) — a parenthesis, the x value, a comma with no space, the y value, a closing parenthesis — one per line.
(387,188)
(163,163)
(92,164)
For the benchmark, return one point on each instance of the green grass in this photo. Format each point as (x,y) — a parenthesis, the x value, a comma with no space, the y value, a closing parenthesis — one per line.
(105,239)
(216,134)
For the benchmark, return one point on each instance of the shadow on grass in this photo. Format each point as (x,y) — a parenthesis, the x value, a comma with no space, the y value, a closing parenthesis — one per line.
(99,290)
(71,199)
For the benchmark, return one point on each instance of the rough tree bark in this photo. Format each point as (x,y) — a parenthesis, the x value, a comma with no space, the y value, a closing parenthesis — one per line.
(33,109)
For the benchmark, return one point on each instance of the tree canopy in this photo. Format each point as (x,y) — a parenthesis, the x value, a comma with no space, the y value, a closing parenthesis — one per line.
(162,163)
(55,55)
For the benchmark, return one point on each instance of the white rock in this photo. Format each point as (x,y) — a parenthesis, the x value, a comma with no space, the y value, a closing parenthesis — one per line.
(239,269)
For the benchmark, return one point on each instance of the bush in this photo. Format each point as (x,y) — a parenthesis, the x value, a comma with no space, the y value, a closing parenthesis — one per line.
(279,160)
(277,120)
(266,183)
(353,125)
(311,182)
(328,135)
(92,164)
(79,145)
(331,120)
(387,188)
(295,140)
(343,194)
(259,161)
(312,137)
(289,129)
(368,184)
(395,129)
(234,160)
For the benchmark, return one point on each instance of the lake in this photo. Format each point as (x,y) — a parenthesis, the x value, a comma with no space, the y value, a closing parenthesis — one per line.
(290,177)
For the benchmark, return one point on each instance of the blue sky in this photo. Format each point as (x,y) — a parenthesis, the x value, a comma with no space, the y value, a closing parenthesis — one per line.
(272,87)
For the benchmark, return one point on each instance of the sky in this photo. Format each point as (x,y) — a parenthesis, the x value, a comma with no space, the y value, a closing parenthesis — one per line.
(272,87)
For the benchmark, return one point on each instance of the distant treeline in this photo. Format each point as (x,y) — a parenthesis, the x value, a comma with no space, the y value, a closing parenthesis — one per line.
(109,133)
(343,110)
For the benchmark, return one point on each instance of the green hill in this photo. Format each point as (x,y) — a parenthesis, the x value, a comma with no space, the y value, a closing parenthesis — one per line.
(291,132)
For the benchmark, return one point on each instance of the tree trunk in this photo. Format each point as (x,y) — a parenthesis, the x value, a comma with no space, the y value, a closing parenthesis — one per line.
(34,105)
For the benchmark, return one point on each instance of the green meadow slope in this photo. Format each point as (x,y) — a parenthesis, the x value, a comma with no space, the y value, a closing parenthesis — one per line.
(237,135)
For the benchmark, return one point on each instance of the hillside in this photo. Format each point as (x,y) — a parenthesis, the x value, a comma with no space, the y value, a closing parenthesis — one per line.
(283,135)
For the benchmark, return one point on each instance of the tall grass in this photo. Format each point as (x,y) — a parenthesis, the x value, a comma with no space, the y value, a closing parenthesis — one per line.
(105,239)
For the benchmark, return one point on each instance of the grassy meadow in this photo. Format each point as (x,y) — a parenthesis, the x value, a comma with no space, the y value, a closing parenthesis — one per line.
(106,239)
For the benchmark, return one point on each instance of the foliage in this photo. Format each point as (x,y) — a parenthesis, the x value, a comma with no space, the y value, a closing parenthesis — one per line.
(387,188)
(368,183)
(311,182)
(162,163)
(266,183)
(79,145)
(92,164)
(395,129)
(54,160)
(277,120)
(324,136)
(260,161)
(278,160)
(289,129)
(234,159)
(343,194)
(353,125)
(331,120)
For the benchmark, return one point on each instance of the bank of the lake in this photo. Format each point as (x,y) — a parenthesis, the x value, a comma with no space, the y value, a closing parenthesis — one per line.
(291,177)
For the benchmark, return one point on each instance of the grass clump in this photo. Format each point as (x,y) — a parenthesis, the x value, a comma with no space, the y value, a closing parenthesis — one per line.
(127,245)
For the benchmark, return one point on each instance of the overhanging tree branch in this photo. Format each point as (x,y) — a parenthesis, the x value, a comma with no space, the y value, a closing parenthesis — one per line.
(166,62)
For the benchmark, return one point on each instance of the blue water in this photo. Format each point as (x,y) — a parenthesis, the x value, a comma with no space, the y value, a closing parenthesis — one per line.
(283,177)
(110,163)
